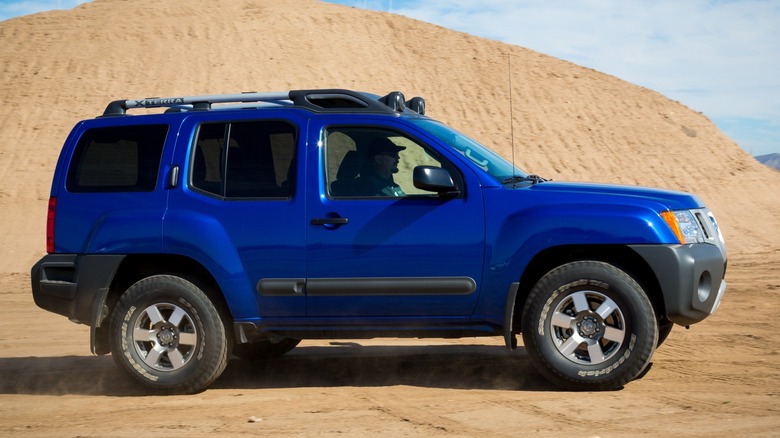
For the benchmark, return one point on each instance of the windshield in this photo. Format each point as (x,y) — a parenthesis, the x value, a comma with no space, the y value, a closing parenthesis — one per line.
(484,158)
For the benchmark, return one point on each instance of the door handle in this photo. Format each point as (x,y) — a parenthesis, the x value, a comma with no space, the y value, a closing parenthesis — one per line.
(329,221)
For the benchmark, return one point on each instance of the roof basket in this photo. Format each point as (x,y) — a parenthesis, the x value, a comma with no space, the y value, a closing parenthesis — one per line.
(326,100)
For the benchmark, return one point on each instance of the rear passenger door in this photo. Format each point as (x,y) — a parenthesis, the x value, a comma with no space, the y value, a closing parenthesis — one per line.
(239,211)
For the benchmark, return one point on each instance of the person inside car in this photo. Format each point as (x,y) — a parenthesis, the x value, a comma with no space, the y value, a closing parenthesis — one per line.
(381,162)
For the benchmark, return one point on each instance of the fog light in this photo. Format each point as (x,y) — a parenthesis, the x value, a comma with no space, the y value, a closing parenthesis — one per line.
(705,286)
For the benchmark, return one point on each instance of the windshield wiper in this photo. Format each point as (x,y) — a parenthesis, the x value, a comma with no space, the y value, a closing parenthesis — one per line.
(533,179)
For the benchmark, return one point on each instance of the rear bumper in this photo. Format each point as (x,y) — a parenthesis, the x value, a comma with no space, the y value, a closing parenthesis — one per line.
(74,285)
(691,278)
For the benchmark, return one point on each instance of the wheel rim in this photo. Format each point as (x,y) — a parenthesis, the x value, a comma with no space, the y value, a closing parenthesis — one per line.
(588,327)
(165,337)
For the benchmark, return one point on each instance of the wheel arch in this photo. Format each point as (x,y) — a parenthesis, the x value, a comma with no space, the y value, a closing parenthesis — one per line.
(135,267)
(619,256)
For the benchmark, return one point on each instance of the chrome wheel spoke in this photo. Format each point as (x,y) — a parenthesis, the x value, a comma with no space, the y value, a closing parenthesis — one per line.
(141,334)
(595,353)
(187,338)
(560,319)
(580,302)
(574,322)
(177,315)
(153,356)
(606,308)
(154,315)
(571,344)
(159,338)
(176,358)
(614,334)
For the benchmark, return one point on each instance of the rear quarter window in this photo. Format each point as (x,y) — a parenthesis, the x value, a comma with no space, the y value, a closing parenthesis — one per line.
(117,159)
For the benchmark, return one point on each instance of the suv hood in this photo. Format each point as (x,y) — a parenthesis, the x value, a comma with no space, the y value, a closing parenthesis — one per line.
(670,199)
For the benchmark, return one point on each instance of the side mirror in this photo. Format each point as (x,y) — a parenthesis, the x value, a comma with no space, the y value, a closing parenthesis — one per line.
(434,179)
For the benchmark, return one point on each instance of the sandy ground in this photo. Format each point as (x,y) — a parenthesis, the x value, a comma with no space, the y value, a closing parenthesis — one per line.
(720,378)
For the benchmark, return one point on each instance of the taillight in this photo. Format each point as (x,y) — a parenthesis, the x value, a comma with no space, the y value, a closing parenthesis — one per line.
(50,225)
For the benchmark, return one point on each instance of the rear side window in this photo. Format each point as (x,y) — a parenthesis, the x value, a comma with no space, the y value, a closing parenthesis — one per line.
(117,159)
(253,159)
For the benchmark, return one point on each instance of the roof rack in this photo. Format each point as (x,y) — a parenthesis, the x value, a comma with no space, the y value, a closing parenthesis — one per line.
(326,100)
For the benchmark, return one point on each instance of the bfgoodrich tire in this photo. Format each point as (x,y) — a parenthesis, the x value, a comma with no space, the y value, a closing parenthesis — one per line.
(168,335)
(589,326)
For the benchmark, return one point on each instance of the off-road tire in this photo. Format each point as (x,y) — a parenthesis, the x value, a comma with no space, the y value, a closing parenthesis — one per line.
(167,334)
(588,325)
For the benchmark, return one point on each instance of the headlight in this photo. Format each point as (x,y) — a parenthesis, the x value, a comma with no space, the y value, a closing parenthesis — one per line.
(684,225)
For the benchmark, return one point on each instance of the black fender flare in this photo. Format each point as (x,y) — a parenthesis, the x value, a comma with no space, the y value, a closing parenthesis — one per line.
(509,315)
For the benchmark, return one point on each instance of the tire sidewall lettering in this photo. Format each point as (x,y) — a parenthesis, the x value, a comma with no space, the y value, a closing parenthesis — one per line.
(128,349)
(602,279)
(615,365)
(204,364)
(577,286)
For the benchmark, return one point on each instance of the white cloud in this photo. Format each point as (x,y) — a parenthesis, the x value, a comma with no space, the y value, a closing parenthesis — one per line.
(721,57)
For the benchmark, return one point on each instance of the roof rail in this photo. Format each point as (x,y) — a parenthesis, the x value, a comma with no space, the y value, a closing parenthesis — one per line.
(325,100)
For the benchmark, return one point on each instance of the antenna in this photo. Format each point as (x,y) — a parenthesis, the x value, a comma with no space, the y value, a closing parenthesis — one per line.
(511,116)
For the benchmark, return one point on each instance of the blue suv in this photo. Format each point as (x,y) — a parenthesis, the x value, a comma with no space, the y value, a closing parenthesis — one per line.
(241,224)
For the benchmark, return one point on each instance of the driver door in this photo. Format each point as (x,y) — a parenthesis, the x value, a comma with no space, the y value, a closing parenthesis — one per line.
(408,256)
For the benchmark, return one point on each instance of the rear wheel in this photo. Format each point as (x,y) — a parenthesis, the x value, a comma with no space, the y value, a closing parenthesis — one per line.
(589,326)
(168,335)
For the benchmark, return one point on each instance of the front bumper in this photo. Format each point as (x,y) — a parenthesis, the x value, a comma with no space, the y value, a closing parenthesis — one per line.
(691,278)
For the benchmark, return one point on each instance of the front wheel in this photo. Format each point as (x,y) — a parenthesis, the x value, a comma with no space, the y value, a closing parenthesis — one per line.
(589,326)
(168,335)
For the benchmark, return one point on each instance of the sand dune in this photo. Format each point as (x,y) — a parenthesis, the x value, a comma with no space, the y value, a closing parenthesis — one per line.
(570,122)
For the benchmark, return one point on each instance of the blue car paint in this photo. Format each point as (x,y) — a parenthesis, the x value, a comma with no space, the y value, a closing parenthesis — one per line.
(507,227)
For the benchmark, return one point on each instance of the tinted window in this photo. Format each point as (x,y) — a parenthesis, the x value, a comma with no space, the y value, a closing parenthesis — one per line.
(245,159)
(117,159)
(375,162)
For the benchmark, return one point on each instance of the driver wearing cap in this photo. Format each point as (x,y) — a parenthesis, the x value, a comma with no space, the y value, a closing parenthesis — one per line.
(381,162)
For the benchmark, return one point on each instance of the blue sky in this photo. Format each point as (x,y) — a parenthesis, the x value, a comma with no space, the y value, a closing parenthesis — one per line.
(720,57)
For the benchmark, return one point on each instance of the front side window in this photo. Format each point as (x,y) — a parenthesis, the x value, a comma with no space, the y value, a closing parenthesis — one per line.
(253,159)
(117,159)
(376,162)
